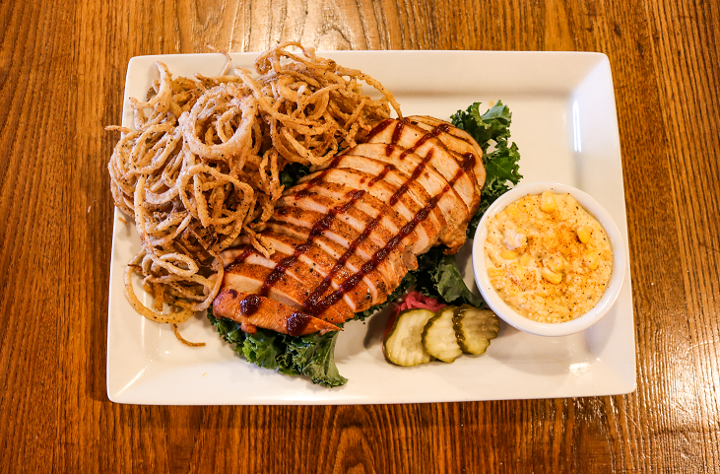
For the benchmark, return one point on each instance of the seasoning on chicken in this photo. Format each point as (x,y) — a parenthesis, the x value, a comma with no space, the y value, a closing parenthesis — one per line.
(346,234)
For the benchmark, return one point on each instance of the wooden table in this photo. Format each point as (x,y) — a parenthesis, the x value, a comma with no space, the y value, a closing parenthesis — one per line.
(62,69)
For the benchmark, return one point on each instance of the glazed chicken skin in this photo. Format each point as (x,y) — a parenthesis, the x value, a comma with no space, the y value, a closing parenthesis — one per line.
(346,234)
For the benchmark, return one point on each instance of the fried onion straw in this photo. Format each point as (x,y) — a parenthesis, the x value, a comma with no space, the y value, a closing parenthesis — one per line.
(200,172)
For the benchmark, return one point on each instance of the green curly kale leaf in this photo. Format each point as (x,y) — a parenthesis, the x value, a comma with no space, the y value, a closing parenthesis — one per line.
(491,130)
(312,356)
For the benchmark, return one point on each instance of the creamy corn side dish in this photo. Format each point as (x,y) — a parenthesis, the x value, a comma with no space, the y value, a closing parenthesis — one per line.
(547,257)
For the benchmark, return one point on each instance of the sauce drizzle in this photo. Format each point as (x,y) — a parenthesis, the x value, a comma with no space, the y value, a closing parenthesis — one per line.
(239,259)
(434,133)
(379,128)
(318,228)
(250,304)
(297,322)
(315,304)
(312,304)
(416,174)
(388,167)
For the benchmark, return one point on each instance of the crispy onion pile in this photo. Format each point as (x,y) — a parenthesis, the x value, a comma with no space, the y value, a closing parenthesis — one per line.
(201,170)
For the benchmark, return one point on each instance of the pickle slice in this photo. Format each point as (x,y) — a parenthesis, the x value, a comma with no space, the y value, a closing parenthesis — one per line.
(403,342)
(475,328)
(439,338)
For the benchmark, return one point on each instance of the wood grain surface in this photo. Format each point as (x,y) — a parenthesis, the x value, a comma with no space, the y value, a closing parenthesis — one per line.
(62,70)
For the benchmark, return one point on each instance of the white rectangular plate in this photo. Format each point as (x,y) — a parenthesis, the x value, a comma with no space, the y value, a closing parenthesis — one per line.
(564,122)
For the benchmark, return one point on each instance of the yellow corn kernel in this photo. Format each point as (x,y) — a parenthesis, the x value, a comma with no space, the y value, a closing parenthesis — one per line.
(583,234)
(508,255)
(556,263)
(592,260)
(515,268)
(551,276)
(495,272)
(547,202)
(526,260)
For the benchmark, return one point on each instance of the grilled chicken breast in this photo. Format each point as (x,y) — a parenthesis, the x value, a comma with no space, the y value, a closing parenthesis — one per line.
(346,234)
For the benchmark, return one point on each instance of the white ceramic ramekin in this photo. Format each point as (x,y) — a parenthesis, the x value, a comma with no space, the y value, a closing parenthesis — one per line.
(492,298)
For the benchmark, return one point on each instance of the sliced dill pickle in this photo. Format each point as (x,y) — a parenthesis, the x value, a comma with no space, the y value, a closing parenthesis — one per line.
(475,328)
(439,338)
(402,344)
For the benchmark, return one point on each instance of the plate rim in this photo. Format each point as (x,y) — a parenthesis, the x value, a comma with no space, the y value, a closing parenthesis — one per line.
(627,385)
